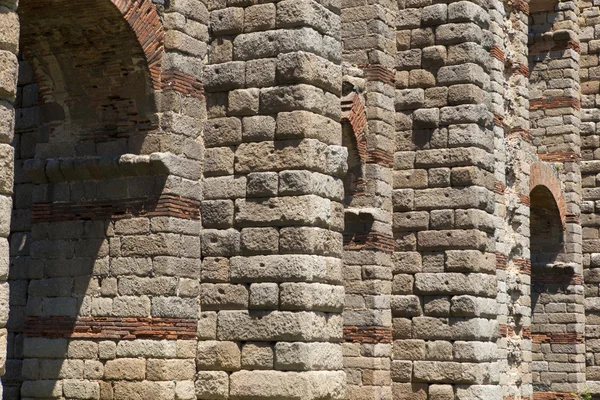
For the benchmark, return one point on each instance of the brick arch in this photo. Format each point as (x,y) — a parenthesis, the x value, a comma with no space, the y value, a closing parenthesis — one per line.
(541,174)
(142,16)
(536,6)
(353,112)
(354,121)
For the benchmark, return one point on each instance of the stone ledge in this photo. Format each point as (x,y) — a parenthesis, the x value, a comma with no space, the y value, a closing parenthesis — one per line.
(55,170)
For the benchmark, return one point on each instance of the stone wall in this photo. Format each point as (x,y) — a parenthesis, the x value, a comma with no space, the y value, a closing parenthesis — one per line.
(299,199)
(513,157)
(556,284)
(105,245)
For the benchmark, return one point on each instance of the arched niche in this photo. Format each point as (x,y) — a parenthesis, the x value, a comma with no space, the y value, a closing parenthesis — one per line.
(544,176)
(96,66)
(353,138)
(547,215)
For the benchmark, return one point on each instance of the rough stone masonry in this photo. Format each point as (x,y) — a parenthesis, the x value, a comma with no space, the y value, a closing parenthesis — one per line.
(300,199)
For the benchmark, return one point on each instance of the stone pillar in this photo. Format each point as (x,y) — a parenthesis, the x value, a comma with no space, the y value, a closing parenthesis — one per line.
(368,33)
(9,47)
(272,289)
(445,342)
(558,323)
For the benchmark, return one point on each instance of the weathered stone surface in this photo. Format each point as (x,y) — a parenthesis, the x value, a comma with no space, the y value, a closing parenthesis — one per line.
(212,385)
(277,325)
(257,356)
(125,369)
(302,67)
(455,283)
(143,390)
(311,296)
(287,385)
(146,348)
(304,124)
(264,296)
(279,268)
(8,77)
(307,356)
(223,296)
(213,355)
(9,31)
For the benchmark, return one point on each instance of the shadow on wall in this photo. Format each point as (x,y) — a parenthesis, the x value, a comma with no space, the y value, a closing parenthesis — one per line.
(547,236)
(86,115)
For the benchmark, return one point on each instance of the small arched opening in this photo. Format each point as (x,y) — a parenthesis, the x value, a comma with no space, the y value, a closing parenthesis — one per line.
(550,283)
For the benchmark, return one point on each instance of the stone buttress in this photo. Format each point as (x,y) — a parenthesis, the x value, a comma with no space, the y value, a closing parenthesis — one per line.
(272,291)
(445,310)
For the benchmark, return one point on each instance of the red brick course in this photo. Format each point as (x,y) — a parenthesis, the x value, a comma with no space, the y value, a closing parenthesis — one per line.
(558,338)
(377,72)
(182,83)
(380,157)
(521,69)
(501,261)
(554,102)
(554,396)
(497,53)
(499,187)
(518,5)
(353,111)
(572,219)
(164,205)
(509,331)
(369,241)
(525,200)
(519,132)
(524,265)
(367,334)
(110,328)
(562,156)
